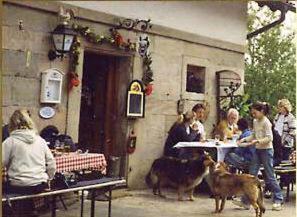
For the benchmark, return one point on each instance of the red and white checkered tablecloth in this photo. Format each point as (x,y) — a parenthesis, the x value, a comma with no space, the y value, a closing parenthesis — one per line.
(74,161)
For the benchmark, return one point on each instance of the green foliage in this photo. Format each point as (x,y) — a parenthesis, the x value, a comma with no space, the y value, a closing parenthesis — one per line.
(270,60)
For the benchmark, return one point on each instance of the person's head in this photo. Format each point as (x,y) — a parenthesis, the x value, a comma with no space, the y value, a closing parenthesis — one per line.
(242,124)
(284,106)
(199,110)
(260,109)
(232,116)
(20,119)
(186,118)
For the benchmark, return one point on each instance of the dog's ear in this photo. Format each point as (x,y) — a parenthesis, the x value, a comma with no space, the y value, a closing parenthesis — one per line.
(225,166)
(208,162)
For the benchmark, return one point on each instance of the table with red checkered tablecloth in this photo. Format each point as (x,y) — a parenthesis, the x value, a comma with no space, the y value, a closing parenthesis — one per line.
(74,162)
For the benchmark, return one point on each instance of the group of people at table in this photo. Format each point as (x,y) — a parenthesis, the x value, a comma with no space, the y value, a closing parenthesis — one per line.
(259,145)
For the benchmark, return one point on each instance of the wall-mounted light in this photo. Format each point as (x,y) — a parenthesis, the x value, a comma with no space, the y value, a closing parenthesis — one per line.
(63,36)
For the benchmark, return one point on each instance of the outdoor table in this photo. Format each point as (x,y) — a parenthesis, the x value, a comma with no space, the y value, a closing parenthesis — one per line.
(75,162)
(222,148)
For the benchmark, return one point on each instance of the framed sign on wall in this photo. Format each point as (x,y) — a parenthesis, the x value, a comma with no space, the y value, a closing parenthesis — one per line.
(135,100)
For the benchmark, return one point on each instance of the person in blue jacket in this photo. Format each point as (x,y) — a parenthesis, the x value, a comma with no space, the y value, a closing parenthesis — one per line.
(240,157)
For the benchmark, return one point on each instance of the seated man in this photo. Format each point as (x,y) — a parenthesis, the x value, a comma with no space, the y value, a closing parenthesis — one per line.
(228,127)
(240,157)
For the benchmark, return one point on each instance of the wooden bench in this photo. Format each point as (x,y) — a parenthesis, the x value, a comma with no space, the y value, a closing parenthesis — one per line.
(92,185)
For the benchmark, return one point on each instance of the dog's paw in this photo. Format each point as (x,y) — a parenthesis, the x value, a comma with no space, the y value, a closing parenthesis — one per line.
(215,212)
(192,198)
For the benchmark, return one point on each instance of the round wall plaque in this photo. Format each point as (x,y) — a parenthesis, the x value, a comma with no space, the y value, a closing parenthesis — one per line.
(47,112)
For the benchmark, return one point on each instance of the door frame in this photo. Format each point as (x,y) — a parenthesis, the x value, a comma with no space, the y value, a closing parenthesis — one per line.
(74,96)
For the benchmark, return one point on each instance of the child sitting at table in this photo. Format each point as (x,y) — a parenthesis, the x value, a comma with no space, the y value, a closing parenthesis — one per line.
(241,157)
(28,160)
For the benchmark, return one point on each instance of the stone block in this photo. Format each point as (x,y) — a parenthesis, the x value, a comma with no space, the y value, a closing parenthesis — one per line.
(167,46)
(24,63)
(160,107)
(37,42)
(7,83)
(167,76)
(33,20)
(25,91)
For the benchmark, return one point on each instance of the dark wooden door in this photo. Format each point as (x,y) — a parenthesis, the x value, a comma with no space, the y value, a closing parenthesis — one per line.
(97,103)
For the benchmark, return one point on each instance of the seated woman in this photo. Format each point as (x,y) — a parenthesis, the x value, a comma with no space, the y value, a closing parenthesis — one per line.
(199,110)
(180,132)
(28,160)
(241,157)
(228,127)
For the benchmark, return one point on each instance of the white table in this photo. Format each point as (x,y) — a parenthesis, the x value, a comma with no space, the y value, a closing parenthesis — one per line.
(222,148)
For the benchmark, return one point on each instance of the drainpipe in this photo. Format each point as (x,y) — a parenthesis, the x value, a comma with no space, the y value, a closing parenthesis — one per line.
(284,10)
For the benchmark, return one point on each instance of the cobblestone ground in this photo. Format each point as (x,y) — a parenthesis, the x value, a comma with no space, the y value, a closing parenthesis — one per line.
(144,204)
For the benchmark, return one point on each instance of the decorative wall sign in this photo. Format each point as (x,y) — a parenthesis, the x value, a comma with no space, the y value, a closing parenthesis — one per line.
(51,86)
(143,45)
(135,100)
(47,112)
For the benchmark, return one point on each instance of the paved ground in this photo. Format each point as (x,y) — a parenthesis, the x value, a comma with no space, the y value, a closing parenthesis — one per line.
(144,204)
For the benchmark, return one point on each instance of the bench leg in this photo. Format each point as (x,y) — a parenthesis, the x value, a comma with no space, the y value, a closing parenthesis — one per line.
(82,204)
(109,202)
(54,206)
(288,192)
(92,203)
(62,201)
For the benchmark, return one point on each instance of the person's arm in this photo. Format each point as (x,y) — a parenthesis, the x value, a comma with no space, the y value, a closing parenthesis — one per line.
(50,163)
(184,137)
(292,131)
(248,138)
(6,152)
(268,135)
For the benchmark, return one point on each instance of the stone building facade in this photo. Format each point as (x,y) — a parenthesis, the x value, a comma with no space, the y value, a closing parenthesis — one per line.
(24,54)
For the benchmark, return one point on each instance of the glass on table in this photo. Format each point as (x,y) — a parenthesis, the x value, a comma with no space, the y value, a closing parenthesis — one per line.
(217,139)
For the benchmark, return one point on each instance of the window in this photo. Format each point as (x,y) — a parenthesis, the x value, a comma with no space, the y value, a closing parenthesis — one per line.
(195,79)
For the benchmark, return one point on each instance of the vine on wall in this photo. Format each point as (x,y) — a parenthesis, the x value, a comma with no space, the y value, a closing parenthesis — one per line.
(117,40)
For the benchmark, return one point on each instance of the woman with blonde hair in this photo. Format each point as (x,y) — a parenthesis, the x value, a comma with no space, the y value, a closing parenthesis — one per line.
(180,132)
(28,161)
(285,125)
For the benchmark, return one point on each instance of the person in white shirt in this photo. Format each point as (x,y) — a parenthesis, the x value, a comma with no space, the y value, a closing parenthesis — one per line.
(199,110)
(285,125)
(25,155)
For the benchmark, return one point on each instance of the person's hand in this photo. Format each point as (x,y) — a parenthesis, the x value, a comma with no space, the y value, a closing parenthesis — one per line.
(194,127)
(254,142)
(239,141)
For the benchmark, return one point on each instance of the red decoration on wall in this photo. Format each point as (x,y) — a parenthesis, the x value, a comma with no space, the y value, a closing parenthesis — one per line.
(73,80)
(148,89)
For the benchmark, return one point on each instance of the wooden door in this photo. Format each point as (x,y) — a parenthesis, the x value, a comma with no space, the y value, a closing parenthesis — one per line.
(97,103)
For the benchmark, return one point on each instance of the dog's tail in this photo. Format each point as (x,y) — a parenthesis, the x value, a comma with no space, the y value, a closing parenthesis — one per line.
(260,200)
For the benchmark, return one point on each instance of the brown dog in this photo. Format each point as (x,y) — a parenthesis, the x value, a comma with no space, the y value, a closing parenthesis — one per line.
(225,184)
(185,175)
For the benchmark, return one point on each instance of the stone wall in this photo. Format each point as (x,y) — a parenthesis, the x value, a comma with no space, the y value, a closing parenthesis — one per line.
(25,57)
